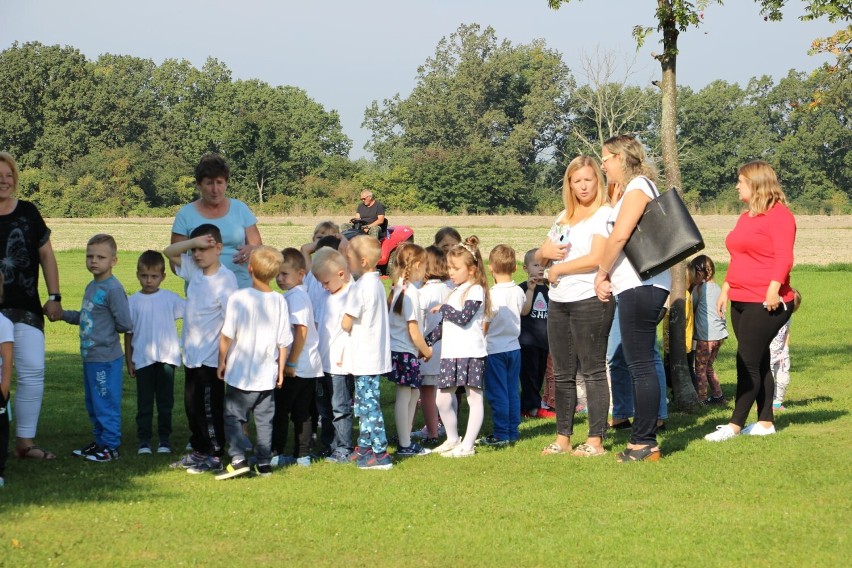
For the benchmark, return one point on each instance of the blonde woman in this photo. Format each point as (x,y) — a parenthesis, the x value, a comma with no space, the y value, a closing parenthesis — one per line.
(578,322)
(758,286)
(640,302)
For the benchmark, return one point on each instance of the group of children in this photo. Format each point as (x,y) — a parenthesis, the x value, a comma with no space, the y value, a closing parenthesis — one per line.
(298,358)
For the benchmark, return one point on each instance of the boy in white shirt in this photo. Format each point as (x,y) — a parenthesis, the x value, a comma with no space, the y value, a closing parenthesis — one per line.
(296,400)
(334,394)
(252,352)
(152,350)
(503,364)
(366,320)
(209,285)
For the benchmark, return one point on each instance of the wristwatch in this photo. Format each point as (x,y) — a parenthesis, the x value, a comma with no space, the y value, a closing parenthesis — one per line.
(54,297)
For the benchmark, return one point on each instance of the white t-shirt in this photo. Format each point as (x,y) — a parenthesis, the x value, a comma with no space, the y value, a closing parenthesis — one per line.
(155,338)
(433,293)
(258,323)
(466,341)
(623,275)
(206,300)
(370,335)
(333,341)
(317,294)
(309,364)
(411,311)
(575,287)
(504,327)
(7,335)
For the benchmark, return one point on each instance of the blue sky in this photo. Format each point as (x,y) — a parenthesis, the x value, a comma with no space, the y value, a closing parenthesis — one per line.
(346,54)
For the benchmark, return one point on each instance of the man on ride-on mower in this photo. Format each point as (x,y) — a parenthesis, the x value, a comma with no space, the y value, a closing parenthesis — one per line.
(369,218)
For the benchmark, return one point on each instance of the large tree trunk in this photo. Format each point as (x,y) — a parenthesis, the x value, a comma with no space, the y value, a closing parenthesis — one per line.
(685,397)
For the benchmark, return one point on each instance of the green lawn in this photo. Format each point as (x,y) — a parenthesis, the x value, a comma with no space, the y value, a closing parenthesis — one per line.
(782,500)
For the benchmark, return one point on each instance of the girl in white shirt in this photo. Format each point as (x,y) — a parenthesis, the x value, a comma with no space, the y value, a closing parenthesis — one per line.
(464,347)
(406,332)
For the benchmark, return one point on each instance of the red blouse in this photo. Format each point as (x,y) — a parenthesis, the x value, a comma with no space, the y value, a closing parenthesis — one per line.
(761,249)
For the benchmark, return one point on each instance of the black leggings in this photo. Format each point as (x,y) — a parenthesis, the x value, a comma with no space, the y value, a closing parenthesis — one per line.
(755,327)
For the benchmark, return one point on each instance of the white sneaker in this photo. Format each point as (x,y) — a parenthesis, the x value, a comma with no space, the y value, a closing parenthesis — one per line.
(722,433)
(459,452)
(447,446)
(757,429)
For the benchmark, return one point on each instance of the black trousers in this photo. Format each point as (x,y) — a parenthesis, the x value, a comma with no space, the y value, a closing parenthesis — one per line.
(204,401)
(294,402)
(755,327)
(533,366)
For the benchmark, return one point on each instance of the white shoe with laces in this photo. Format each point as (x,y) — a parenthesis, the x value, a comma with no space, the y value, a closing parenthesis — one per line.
(722,433)
(757,429)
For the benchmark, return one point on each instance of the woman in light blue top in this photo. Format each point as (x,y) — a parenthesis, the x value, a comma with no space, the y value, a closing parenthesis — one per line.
(233,217)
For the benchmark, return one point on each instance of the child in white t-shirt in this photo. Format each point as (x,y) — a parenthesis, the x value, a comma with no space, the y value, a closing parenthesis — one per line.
(464,350)
(366,320)
(503,364)
(209,285)
(407,343)
(334,394)
(296,400)
(252,351)
(152,351)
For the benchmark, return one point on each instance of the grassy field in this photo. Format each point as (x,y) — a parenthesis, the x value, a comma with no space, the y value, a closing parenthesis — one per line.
(782,500)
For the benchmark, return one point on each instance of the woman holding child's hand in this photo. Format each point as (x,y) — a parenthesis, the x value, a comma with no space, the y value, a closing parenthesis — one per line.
(238,225)
(578,322)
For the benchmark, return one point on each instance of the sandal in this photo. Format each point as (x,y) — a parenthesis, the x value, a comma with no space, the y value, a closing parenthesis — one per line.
(553,449)
(35,452)
(648,453)
(587,451)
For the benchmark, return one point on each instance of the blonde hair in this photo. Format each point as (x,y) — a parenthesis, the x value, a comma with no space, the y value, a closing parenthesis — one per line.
(7,158)
(367,248)
(104,239)
(265,262)
(568,198)
(765,189)
(631,154)
(326,228)
(468,252)
(326,259)
(502,260)
(407,256)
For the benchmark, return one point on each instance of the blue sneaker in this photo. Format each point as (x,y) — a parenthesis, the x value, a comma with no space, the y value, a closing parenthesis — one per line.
(413,450)
(210,464)
(281,460)
(340,456)
(304,461)
(358,453)
(189,460)
(493,441)
(144,450)
(375,461)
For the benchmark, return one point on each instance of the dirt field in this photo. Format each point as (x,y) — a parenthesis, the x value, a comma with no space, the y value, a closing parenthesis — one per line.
(820,239)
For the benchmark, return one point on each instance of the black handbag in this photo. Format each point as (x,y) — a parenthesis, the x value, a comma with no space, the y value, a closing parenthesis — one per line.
(665,235)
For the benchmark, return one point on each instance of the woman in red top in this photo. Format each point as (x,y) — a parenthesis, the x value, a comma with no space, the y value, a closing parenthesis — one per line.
(758,286)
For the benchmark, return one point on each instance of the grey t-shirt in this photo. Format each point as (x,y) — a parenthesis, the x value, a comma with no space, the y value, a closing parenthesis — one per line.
(105,314)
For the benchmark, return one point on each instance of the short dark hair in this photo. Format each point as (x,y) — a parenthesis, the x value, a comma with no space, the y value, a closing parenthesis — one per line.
(151,259)
(207,229)
(212,166)
(294,258)
(328,241)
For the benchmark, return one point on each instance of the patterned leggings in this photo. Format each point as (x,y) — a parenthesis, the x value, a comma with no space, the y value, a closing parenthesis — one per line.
(705,354)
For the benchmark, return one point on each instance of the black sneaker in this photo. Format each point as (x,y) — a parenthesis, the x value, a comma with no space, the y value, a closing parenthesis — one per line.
(264,470)
(234,469)
(87,451)
(103,454)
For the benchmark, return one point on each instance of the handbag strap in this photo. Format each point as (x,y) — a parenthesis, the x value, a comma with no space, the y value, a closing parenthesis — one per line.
(652,187)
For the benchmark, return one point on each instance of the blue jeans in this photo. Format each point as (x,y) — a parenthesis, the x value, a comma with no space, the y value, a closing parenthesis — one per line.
(639,312)
(334,404)
(619,375)
(239,404)
(502,386)
(102,387)
(368,409)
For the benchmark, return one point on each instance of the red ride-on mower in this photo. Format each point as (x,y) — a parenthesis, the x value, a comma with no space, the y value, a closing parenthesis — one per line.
(390,237)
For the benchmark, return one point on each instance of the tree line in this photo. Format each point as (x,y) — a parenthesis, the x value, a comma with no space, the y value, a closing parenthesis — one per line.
(488,128)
